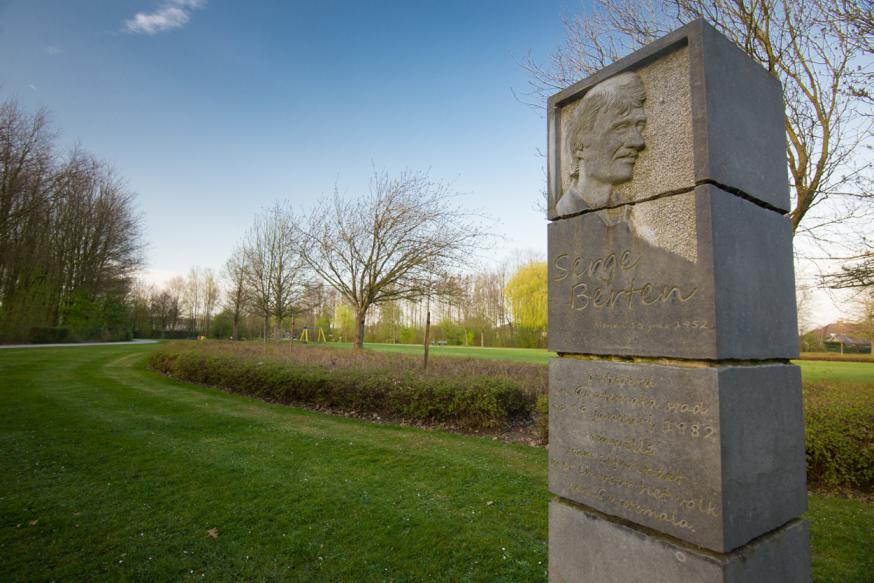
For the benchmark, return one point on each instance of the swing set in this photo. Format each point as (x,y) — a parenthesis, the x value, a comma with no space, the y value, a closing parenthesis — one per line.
(320,335)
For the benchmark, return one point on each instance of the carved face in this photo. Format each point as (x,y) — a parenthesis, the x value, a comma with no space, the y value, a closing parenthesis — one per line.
(613,145)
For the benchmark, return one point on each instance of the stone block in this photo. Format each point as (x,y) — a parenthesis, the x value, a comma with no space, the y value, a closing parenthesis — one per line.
(692,109)
(700,275)
(585,547)
(712,455)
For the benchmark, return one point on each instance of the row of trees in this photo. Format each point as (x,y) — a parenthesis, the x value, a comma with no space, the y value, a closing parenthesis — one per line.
(403,241)
(382,263)
(502,306)
(184,306)
(70,239)
(388,258)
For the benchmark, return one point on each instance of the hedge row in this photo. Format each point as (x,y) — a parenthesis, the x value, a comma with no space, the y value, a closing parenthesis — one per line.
(837,357)
(839,434)
(469,401)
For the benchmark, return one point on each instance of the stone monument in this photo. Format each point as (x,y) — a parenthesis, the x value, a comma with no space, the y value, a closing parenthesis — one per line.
(676,448)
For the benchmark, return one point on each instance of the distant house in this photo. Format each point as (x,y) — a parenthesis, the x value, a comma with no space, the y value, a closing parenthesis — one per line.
(843,337)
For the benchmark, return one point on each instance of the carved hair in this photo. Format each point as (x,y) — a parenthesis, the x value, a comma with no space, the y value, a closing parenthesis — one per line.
(619,94)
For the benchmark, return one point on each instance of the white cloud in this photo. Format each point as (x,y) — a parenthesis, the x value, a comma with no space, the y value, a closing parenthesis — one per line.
(169,15)
(52,50)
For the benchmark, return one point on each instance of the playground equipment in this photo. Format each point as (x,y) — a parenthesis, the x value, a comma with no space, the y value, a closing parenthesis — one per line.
(320,335)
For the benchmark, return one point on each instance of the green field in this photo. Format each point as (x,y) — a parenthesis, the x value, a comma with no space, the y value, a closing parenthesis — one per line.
(532,355)
(111,472)
(813,370)
(820,370)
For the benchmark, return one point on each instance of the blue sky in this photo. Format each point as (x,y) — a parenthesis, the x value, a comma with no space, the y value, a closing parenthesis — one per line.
(238,104)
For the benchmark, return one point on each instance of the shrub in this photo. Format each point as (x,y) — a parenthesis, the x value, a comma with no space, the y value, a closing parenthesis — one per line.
(836,357)
(839,434)
(542,408)
(468,393)
(42,335)
(59,334)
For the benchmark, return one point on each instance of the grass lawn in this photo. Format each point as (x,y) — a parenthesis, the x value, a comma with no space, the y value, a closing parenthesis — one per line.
(821,370)
(532,355)
(111,472)
(812,370)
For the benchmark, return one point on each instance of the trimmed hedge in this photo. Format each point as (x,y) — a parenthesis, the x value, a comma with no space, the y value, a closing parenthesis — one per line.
(837,357)
(839,434)
(308,376)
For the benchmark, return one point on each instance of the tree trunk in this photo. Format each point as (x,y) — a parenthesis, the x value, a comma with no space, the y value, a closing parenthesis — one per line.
(291,343)
(359,334)
(427,337)
(235,328)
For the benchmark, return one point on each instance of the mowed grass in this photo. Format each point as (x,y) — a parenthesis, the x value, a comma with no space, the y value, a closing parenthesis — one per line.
(851,372)
(530,355)
(111,472)
(811,370)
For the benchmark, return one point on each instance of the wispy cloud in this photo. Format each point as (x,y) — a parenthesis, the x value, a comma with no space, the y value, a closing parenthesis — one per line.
(169,15)
(52,50)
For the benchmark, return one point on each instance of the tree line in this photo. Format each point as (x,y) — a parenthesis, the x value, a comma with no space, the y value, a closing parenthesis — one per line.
(70,239)
(384,265)
(503,305)
(378,266)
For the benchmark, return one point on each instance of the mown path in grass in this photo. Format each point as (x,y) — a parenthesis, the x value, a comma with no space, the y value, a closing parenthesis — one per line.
(812,370)
(111,472)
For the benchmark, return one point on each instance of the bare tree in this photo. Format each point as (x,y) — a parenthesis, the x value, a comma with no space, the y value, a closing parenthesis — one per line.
(865,314)
(25,163)
(176,291)
(389,244)
(70,240)
(857,273)
(161,310)
(274,266)
(192,300)
(210,297)
(237,288)
(818,49)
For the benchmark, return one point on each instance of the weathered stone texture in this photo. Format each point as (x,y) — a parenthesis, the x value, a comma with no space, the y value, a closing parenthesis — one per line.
(740,136)
(676,428)
(668,160)
(585,548)
(716,284)
(713,116)
(697,453)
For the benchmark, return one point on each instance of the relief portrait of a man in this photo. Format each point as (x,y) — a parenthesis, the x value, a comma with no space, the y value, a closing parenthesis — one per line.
(604,139)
